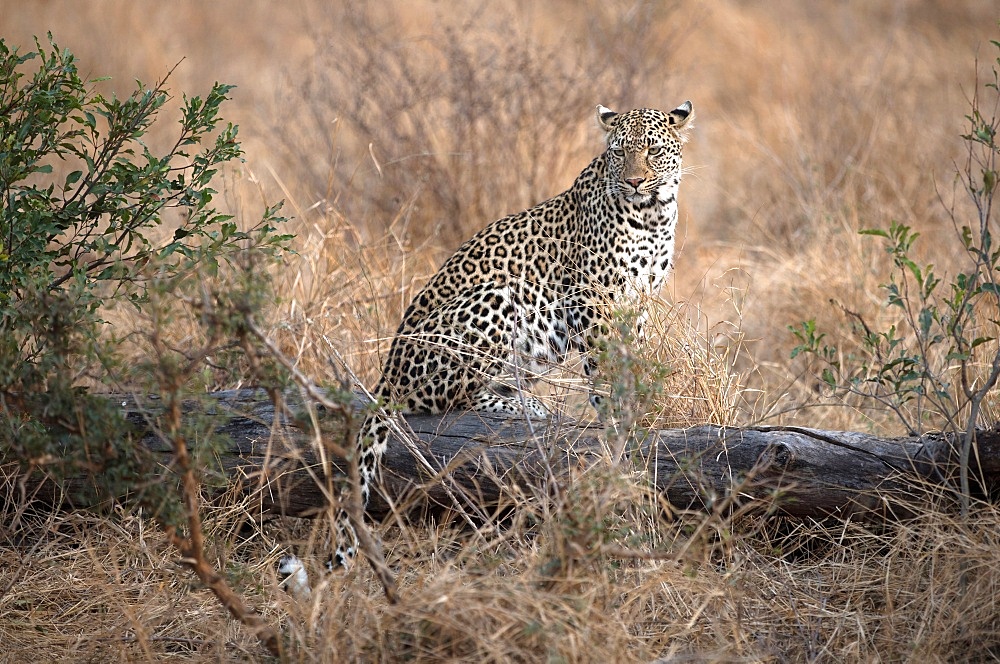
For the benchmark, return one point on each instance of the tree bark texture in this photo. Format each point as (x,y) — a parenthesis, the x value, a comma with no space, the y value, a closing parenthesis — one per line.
(479,461)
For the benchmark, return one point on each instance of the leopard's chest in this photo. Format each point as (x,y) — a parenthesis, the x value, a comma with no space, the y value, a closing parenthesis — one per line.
(637,255)
(646,260)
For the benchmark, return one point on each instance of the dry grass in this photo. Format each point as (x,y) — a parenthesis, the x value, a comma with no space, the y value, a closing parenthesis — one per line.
(394,133)
(596,576)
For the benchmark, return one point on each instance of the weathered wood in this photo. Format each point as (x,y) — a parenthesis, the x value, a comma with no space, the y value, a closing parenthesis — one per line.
(796,471)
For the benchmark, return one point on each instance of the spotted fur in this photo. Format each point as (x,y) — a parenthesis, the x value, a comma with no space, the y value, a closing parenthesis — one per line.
(523,292)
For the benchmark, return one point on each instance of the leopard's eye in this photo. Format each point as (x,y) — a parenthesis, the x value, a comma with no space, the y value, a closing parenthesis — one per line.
(655,150)
(618,152)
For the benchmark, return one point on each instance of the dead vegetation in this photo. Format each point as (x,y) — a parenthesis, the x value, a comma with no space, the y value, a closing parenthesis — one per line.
(394,133)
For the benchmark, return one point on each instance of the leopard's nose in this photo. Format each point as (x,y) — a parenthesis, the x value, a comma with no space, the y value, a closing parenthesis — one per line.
(635,182)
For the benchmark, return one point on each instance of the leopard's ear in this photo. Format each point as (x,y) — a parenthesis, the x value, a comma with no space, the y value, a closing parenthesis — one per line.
(681,115)
(606,118)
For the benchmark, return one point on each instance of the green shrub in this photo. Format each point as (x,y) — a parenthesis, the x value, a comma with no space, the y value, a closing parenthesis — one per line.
(84,226)
(937,364)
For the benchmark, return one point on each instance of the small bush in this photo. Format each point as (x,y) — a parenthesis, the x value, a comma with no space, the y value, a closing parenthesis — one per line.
(92,217)
(936,362)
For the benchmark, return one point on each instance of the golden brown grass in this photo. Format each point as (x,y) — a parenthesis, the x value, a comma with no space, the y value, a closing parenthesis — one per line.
(394,133)
(596,576)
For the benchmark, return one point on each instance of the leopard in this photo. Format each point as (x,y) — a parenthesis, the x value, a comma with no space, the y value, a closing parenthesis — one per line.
(519,296)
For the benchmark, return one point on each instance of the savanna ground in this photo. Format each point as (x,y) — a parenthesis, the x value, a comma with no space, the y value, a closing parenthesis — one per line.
(395,131)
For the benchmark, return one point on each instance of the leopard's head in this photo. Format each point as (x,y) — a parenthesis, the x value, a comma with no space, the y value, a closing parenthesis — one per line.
(644,152)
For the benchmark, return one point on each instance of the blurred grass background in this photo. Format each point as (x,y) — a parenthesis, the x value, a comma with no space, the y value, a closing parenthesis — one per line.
(398,129)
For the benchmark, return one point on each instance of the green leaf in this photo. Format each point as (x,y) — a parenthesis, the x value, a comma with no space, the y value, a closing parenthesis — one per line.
(926,319)
(912,267)
(874,231)
(829,378)
(979,341)
(72,179)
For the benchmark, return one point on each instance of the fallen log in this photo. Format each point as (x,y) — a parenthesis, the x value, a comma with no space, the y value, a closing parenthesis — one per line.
(472,460)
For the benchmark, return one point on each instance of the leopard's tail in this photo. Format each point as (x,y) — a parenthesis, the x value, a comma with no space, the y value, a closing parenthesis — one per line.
(371,442)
